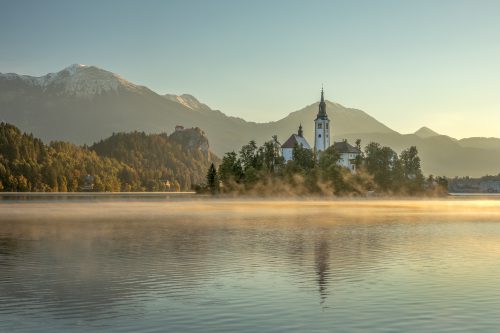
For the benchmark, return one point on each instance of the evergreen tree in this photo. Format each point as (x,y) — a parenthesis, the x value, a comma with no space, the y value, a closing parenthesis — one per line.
(230,169)
(414,179)
(359,158)
(212,180)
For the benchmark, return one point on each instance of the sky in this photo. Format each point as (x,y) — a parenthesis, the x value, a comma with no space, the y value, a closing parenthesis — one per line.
(406,63)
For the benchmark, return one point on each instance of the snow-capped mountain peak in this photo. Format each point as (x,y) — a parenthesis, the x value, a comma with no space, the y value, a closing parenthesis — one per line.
(189,101)
(73,68)
(78,80)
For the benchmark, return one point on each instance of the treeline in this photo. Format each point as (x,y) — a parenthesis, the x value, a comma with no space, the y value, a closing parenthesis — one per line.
(124,162)
(263,171)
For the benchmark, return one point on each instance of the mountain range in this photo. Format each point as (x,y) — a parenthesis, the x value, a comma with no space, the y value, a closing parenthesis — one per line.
(84,104)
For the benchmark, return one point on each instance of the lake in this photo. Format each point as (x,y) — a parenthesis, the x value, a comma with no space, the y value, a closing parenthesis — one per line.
(166,263)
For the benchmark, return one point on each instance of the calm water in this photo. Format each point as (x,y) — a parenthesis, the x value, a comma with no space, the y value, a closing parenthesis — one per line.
(187,265)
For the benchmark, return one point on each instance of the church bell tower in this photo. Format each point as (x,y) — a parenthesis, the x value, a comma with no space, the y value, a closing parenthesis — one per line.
(321,127)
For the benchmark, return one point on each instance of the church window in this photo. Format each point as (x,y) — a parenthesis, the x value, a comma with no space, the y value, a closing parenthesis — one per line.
(320,126)
(326,126)
(319,135)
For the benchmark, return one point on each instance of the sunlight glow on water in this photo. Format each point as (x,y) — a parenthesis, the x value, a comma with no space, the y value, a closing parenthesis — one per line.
(250,266)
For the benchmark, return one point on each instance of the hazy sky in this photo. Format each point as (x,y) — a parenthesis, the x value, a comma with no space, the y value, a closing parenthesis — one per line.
(406,63)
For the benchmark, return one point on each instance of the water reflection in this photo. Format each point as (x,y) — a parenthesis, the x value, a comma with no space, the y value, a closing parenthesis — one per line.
(321,257)
(254,266)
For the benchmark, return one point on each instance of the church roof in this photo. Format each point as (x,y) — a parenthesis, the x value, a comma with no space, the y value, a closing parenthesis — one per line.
(296,139)
(344,147)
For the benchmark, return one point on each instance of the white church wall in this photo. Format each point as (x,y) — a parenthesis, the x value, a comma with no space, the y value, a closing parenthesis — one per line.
(287,154)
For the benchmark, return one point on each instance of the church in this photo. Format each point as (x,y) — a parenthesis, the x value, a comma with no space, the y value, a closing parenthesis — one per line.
(347,152)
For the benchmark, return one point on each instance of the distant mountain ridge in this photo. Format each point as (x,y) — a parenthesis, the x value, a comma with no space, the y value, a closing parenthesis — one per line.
(481,143)
(83,104)
(78,80)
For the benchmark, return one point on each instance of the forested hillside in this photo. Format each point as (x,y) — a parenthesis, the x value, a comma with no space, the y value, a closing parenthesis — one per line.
(181,158)
(124,162)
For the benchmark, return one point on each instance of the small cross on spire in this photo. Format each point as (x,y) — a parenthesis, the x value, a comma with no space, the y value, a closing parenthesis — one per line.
(300,133)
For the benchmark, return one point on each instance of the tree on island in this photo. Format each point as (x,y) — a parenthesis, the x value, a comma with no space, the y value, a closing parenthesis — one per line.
(413,177)
(393,173)
(261,170)
(212,180)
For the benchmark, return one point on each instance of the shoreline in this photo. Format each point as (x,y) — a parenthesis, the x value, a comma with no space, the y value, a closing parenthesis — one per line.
(231,197)
(93,194)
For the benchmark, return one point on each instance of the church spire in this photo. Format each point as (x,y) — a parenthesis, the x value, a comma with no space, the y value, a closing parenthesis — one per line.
(322,106)
(300,133)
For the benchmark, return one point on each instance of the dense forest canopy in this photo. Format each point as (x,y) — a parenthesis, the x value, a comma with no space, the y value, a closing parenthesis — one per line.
(123,162)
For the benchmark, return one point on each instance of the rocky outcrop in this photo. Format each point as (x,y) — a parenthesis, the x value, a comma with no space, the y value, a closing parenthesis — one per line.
(192,139)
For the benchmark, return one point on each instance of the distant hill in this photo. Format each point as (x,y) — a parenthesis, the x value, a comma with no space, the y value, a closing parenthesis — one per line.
(84,104)
(425,132)
(481,143)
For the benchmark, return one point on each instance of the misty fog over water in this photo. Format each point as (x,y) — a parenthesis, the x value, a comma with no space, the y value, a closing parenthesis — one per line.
(184,264)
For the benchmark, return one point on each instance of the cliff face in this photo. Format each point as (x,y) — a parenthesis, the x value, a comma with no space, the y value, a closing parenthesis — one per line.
(193,139)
